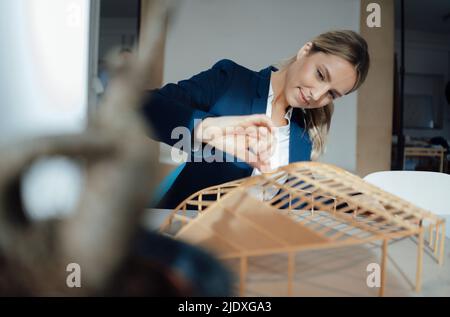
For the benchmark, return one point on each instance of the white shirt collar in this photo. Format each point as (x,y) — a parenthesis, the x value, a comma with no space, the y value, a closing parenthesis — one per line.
(288,114)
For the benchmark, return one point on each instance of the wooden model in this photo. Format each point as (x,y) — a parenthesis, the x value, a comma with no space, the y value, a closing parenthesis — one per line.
(317,206)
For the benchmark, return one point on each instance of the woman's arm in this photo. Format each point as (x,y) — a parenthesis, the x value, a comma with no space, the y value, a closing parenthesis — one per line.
(178,105)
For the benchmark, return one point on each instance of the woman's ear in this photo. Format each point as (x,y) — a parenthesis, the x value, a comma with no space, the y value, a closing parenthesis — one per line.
(305,50)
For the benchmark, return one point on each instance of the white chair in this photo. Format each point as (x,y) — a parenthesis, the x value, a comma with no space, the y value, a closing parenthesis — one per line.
(428,190)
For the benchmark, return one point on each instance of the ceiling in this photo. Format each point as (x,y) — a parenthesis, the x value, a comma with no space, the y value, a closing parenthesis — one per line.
(426,16)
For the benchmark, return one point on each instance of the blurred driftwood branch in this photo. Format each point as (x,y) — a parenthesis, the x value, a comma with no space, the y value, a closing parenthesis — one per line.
(119,169)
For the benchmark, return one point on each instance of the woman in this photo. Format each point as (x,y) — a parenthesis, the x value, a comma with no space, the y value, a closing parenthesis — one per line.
(289,107)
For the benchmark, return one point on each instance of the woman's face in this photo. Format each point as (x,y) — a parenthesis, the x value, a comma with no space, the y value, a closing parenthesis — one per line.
(315,80)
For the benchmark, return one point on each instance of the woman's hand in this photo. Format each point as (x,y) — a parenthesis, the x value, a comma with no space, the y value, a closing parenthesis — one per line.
(250,138)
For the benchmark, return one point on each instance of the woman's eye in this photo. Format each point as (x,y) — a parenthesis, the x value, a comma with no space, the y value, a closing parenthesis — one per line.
(332,95)
(320,75)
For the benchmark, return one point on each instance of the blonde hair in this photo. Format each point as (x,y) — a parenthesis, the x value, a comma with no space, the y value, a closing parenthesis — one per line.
(351,47)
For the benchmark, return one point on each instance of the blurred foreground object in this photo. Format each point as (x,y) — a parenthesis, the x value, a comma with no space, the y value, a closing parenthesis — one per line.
(100,235)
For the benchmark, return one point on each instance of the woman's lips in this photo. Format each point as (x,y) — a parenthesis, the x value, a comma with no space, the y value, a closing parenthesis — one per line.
(302,97)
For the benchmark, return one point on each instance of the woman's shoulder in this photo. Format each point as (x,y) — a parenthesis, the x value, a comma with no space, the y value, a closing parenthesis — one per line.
(230,65)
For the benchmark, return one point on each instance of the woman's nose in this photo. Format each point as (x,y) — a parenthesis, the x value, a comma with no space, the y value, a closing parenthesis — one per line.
(318,91)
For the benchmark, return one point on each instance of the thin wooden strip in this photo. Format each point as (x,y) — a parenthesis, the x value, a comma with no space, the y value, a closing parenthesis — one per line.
(430,231)
(243,275)
(383,267)
(291,272)
(436,240)
(419,261)
(441,253)
(200,202)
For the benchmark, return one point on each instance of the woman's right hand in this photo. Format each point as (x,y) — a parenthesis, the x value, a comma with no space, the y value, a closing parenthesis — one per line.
(250,138)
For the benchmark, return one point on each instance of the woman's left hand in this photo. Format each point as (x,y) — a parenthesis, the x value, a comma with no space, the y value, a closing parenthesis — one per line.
(250,138)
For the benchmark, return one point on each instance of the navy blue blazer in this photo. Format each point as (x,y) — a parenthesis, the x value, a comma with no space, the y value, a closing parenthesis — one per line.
(225,89)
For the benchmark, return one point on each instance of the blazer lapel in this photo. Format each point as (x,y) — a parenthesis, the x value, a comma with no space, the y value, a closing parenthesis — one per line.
(299,142)
(259,103)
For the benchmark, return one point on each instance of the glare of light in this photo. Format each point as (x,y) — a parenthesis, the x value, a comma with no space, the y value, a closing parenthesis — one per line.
(44,78)
(51,188)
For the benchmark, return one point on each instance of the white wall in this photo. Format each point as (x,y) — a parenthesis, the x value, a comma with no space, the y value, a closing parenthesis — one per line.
(257,33)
